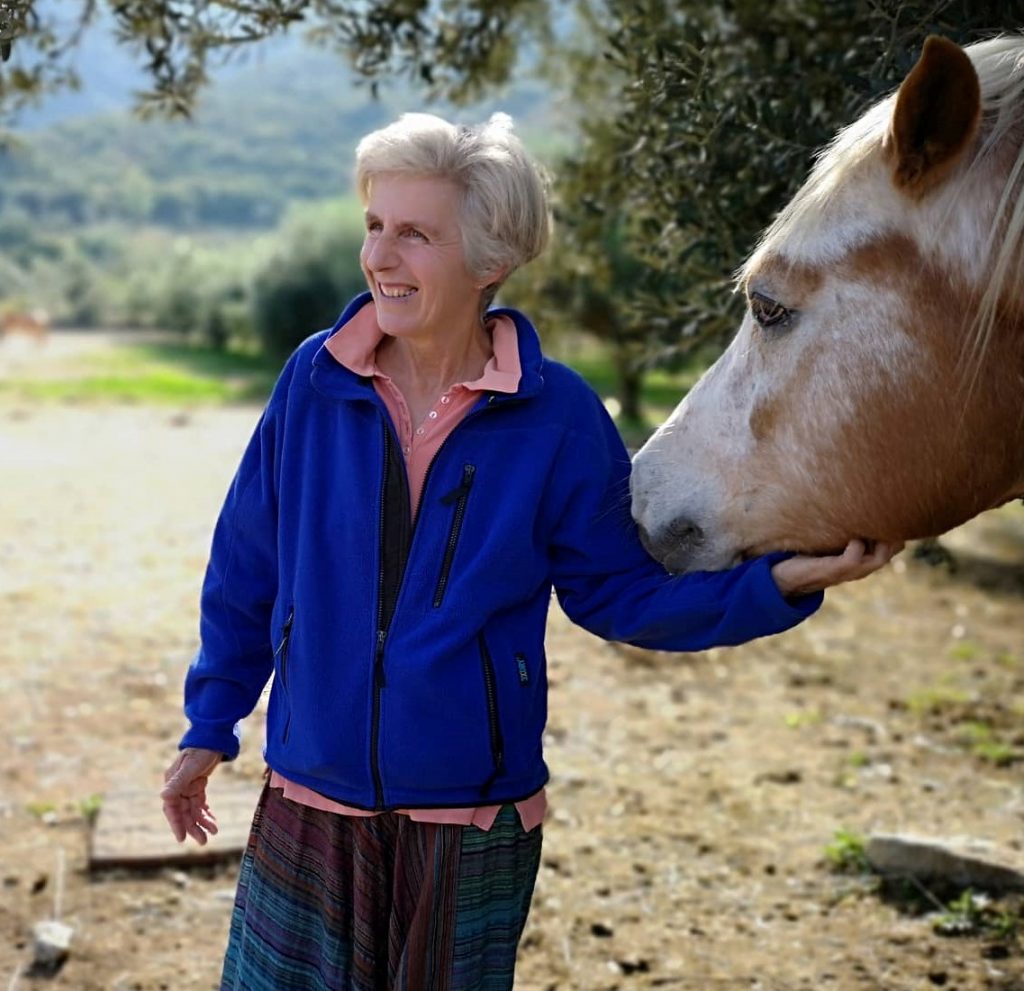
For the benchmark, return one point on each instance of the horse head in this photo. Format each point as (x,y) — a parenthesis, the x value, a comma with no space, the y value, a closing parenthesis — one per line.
(875,387)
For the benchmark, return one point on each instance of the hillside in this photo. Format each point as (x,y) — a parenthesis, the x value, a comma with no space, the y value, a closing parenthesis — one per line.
(270,131)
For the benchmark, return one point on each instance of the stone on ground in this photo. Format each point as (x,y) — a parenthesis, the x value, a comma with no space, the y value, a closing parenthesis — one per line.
(961,861)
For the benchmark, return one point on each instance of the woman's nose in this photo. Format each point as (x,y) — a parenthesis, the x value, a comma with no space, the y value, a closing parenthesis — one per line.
(379,252)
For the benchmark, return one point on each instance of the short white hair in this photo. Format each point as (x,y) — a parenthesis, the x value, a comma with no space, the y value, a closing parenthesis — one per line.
(505,216)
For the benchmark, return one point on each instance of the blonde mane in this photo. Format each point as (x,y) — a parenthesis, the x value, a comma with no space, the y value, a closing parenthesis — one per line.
(999,63)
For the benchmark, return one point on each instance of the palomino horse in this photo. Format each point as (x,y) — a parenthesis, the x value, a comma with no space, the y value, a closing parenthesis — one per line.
(35,323)
(875,388)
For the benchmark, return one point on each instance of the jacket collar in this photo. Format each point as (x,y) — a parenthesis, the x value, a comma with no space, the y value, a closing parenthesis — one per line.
(331,378)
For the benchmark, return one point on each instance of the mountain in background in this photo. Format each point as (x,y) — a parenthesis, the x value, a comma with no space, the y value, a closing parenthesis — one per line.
(278,125)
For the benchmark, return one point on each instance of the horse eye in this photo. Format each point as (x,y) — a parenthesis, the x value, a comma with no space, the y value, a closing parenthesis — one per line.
(768,312)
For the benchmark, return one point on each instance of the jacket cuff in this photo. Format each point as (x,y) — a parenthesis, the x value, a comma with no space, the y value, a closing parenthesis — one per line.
(227,740)
(796,608)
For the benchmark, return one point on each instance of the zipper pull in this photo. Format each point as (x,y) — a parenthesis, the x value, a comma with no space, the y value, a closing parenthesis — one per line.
(499,767)
(468,471)
(285,632)
(378,664)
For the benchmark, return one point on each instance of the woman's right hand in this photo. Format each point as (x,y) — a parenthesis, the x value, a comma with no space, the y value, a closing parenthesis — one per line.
(184,794)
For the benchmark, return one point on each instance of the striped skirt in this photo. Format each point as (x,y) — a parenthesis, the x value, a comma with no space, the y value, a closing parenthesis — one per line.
(328,902)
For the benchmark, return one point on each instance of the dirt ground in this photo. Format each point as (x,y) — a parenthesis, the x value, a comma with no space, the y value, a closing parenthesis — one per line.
(692,797)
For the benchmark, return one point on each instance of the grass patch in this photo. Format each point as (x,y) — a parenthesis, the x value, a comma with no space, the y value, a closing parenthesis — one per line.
(40,808)
(936,700)
(798,720)
(151,373)
(984,742)
(972,914)
(847,853)
(964,651)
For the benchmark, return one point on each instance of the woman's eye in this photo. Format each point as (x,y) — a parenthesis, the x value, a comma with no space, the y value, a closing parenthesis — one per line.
(415,234)
(373,227)
(768,312)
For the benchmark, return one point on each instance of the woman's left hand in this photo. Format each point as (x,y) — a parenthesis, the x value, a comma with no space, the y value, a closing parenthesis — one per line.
(802,575)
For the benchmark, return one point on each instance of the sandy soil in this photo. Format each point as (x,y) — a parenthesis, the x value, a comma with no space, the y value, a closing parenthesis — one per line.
(692,798)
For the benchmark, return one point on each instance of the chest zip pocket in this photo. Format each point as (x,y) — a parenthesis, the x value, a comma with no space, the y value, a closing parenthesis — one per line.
(458,497)
(282,654)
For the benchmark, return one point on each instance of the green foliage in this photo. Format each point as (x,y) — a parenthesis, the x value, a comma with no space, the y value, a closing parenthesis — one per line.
(90,806)
(304,287)
(720,109)
(987,743)
(847,853)
(972,913)
(458,50)
(40,808)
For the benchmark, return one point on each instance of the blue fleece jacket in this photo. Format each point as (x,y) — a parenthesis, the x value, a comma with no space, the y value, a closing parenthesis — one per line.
(409,667)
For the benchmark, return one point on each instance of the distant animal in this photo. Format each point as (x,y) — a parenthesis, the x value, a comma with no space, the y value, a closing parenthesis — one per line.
(875,388)
(35,323)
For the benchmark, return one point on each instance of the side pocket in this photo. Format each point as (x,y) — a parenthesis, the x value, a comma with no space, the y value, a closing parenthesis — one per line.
(282,655)
(458,496)
(493,719)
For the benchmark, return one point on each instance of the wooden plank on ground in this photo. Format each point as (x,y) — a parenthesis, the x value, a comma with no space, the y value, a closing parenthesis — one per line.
(131,831)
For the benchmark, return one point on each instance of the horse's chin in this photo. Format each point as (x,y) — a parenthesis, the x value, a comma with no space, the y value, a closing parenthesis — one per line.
(809,549)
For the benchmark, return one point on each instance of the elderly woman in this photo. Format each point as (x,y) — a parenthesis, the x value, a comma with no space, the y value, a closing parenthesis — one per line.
(420,480)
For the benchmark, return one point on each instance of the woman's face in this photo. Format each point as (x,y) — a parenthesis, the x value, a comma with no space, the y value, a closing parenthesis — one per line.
(412,258)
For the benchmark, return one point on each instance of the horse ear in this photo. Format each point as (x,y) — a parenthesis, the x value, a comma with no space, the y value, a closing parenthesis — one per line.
(937,112)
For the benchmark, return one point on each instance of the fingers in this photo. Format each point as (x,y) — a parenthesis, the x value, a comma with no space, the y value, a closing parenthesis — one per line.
(190,817)
(802,574)
(175,819)
(184,795)
(861,558)
(201,814)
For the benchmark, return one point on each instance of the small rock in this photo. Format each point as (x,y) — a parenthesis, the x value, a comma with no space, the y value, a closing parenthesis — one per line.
(787,776)
(51,944)
(601,931)
(634,966)
(964,862)
(872,727)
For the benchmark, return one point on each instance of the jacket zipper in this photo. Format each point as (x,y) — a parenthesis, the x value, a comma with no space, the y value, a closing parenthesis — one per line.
(459,496)
(493,722)
(282,651)
(379,680)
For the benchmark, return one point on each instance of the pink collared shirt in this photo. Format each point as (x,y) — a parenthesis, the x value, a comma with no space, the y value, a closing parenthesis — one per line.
(356,350)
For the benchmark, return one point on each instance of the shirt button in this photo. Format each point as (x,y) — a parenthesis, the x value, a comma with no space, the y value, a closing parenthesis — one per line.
(407,449)
(446,399)
(433,414)
(419,430)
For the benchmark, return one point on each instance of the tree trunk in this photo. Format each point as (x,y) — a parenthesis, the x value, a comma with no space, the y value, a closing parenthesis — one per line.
(631,380)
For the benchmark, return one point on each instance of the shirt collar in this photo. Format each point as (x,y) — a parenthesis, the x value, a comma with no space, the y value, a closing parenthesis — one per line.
(354,345)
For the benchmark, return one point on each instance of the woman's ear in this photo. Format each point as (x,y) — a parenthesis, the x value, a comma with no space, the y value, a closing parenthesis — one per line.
(489,279)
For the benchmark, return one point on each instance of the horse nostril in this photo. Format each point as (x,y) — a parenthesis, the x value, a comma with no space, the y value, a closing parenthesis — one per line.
(674,544)
(683,532)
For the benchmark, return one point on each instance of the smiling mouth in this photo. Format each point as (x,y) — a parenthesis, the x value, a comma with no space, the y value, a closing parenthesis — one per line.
(396,292)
